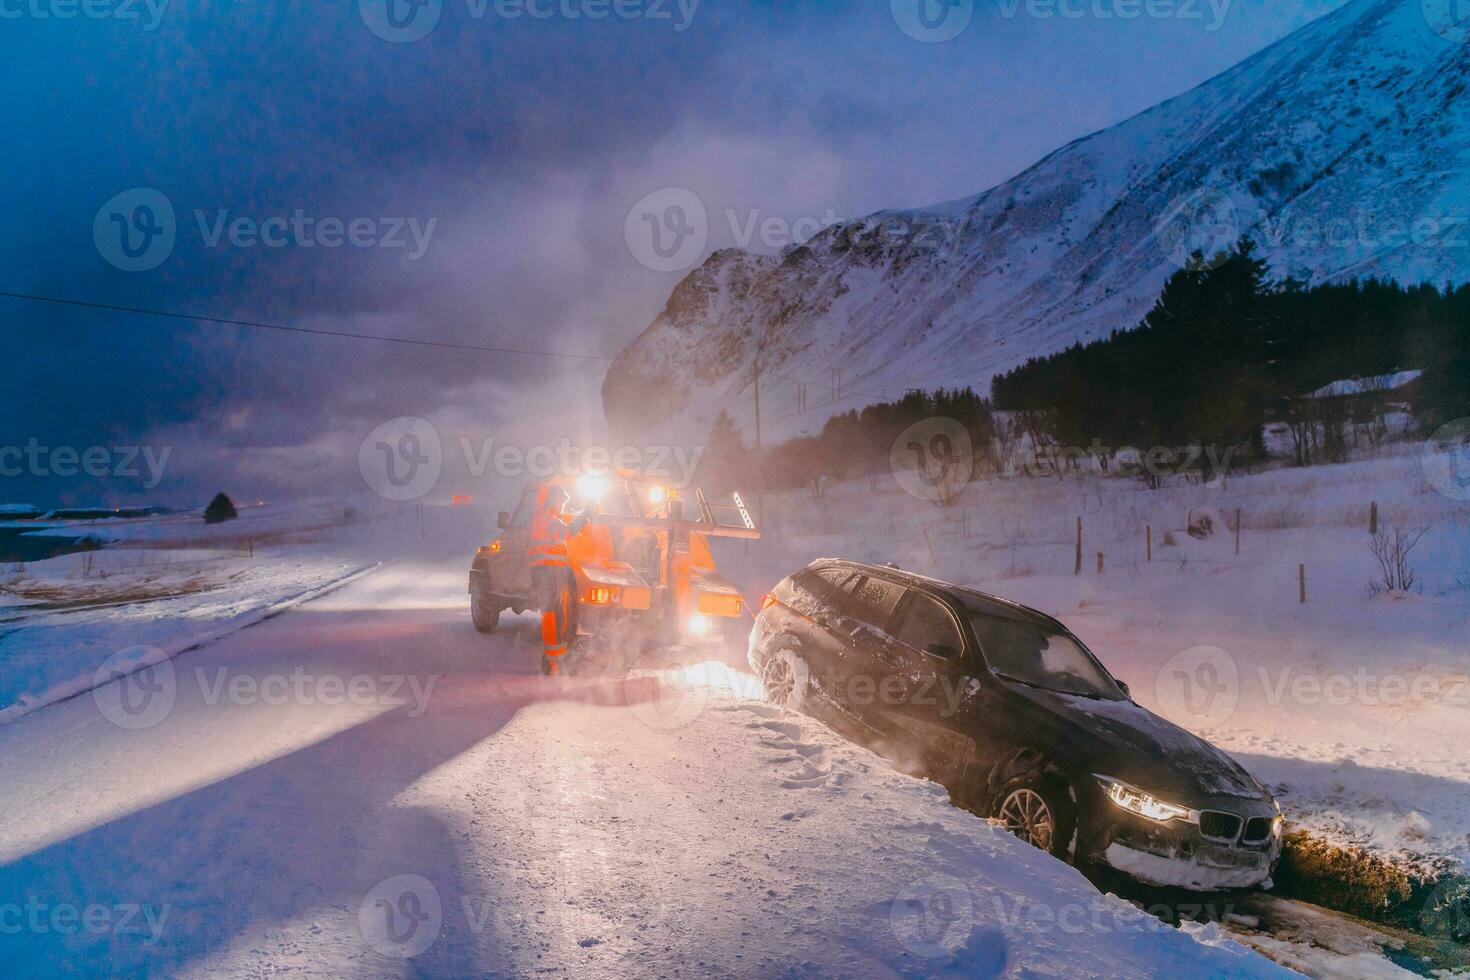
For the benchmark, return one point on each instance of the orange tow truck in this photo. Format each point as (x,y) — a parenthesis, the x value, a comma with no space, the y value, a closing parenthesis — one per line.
(641,574)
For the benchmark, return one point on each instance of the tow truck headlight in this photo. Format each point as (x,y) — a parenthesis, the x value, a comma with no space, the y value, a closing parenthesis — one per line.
(699,624)
(1135,800)
(591,487)
(494,546)
(657,495)
(600,595)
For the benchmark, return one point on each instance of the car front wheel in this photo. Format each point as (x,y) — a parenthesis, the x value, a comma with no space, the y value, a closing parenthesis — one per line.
(1039,811)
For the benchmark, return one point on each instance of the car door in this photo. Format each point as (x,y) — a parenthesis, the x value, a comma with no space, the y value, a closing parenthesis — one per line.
(869,652)
(931,686)
(822,626)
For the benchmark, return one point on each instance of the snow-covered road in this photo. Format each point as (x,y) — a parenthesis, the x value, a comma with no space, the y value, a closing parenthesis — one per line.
(365,779)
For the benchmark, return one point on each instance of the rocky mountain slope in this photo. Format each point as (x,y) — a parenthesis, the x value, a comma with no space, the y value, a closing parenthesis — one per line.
(1341,150)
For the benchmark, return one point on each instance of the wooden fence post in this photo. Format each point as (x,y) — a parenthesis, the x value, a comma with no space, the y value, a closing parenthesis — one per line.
(927,544)
(1373,519)
(1301,577)
(1099,563)
(1237,530)
(1148,541)
(1077,568)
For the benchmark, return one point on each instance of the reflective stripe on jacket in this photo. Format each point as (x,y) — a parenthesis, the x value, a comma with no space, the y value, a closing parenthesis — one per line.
(546,543)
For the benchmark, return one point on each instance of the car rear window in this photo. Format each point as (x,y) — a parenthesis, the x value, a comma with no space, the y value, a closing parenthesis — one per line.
(873,601)
(822,582)
(927,623)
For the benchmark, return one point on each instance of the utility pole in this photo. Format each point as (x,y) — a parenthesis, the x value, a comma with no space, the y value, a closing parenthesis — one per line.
(760,474)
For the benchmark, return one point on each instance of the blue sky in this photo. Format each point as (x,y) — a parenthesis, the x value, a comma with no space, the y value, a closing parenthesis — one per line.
(485,171)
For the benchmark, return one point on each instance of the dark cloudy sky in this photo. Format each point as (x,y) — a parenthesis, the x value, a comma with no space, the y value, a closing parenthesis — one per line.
(525,141)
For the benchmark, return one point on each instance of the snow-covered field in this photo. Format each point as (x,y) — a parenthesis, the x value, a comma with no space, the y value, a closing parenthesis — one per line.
(1354,708)
(488,821)
(363,778)
(164,584)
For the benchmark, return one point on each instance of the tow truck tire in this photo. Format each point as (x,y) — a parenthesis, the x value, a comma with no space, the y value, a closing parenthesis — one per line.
(483,613)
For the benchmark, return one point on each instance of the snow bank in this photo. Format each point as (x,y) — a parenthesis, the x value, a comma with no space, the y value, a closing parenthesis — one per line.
(1354,710)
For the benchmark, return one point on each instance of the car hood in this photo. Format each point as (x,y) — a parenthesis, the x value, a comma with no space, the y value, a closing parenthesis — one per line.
(1127,741)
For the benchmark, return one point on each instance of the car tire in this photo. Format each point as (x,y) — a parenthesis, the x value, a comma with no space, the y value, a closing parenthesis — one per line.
(483,613)
(784,679)
(1040,811)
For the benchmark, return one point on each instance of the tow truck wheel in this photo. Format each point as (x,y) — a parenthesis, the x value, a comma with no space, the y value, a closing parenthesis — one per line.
(484,614)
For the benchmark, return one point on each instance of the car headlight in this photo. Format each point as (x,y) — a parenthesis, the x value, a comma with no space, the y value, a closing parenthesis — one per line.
(1135,800)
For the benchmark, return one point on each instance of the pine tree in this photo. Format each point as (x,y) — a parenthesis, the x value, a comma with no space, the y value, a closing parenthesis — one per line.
(220,509)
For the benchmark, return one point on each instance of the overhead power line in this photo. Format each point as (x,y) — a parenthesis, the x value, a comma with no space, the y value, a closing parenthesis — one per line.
(315,331)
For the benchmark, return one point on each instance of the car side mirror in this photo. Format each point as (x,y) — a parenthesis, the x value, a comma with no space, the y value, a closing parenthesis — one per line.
(941,650)
(1122,686)
(502,520)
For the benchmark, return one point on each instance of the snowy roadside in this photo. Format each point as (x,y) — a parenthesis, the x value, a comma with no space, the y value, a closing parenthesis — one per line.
(1354,708)
(161,586)
(52,656)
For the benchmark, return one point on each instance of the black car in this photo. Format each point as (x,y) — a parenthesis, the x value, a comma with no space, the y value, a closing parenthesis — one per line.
(1017,719)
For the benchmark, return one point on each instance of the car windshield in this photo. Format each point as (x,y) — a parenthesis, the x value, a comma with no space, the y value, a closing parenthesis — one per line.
(1040,654)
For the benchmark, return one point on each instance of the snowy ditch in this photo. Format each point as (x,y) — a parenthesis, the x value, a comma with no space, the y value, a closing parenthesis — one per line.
(1351,706)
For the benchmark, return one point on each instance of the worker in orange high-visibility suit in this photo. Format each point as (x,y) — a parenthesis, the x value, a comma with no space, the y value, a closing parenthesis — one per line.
(546,548)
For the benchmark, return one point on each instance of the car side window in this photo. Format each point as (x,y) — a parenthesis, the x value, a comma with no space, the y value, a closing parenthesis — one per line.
(873,600)
(928,627)
(823,582)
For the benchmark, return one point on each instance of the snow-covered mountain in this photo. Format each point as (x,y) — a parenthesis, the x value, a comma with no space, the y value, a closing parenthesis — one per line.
(1341,149)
